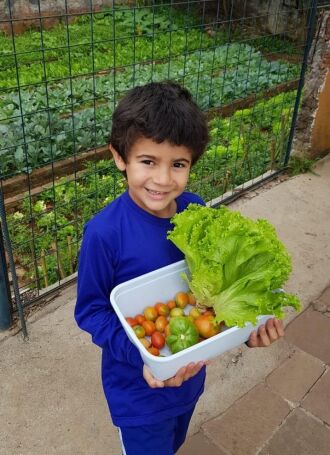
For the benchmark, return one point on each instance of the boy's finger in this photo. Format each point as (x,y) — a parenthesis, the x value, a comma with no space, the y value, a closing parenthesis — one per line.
(151,380)
(253,340)
(265,341)
(279,327)
(193,369)
(271,330)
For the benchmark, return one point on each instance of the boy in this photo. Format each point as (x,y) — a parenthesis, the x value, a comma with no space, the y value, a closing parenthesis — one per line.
(158,133)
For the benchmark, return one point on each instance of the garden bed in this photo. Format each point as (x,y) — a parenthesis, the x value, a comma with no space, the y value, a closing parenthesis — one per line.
(56,107)
(46,228)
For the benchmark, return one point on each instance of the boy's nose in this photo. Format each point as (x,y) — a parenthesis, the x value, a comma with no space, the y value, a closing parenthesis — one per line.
(162,176)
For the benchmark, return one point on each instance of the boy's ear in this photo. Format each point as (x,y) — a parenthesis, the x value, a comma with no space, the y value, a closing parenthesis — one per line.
(120,163)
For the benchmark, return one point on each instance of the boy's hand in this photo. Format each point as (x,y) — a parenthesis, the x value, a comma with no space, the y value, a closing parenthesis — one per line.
(182,375)
(266,334)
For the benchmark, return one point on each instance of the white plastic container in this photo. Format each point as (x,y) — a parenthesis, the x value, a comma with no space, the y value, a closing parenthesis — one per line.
(130,298)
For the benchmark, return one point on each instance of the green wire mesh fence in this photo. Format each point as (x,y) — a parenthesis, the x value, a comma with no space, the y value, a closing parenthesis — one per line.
(59,86)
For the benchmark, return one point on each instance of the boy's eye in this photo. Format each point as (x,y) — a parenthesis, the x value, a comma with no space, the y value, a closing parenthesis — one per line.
(179,165)
(148,162)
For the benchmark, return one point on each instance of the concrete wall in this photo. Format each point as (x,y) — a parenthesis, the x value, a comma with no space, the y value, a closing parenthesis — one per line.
(312,135)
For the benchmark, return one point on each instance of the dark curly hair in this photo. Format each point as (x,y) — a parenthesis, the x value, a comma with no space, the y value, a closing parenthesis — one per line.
(161,111)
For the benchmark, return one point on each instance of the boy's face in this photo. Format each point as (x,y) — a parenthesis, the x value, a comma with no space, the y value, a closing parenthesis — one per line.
(156,174)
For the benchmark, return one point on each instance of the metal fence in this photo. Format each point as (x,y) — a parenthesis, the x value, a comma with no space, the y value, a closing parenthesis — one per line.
(244,63)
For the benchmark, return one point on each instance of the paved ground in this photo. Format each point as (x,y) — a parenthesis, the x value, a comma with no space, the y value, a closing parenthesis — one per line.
(287,413)
(272,401)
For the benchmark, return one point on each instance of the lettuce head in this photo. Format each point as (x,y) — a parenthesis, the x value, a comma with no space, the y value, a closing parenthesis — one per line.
(236,265)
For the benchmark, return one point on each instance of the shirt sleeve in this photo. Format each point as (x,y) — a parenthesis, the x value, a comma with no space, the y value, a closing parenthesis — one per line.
(93,310)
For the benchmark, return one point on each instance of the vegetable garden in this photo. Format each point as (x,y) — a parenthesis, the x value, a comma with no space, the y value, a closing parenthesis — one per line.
(59,88)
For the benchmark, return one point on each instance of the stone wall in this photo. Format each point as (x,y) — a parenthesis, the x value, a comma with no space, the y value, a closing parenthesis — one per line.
(23,14)
(274,16)
(312,134)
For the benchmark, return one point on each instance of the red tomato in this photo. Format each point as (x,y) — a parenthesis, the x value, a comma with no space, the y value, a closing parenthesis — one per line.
(171,304)
(206,326)
(149,327)
(131,321)
(181,299)
(150,313)
(139,331)
(153,350)
(162,309)
(158,340)
(140,318)
(161,323)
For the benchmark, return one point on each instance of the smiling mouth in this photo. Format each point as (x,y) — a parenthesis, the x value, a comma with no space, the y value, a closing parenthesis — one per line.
(156,193)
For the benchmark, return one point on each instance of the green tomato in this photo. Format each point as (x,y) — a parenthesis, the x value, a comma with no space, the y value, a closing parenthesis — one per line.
(183,334)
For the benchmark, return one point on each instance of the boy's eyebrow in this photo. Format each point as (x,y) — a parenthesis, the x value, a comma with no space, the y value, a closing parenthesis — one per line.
(152,157)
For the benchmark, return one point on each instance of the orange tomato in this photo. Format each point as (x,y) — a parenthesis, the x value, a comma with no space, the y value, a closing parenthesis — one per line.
(171,304)
(162,309)
(131,321)
(181,299)
(139,331)
(158,340)
(167,331)
(206,326)
(150,313)
(140,318)
(153,350)
(192,299)
(149,327)
(161,322)
(146,343)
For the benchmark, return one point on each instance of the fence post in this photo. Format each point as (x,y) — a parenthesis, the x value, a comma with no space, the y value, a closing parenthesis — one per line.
(5,300)
(6,241)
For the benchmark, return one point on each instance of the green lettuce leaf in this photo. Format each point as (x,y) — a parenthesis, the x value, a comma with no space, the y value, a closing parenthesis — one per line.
(236,264)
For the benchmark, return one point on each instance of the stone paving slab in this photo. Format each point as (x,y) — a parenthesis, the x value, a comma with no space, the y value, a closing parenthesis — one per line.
(250,421)
(301,434)
(310,331)
(322,304)
(318,400)
(295,377)
(199,445)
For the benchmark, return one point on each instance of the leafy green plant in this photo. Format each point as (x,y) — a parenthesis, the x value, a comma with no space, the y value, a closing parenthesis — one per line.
(300,165)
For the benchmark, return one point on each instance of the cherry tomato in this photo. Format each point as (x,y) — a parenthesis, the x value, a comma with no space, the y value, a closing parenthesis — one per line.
(194,313)
(167,331)
(171,304)
(208,313)
(158,340)
(162,309)
(206,326)
(139,331)
(140,318)
(192,299)
(161,323)
(181,299)
(153,350)
(146,343)
(176,312)
(149,327)
(131,321)
(150,313)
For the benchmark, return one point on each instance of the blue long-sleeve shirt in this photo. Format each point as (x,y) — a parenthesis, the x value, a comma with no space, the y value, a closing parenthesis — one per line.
(121,242)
